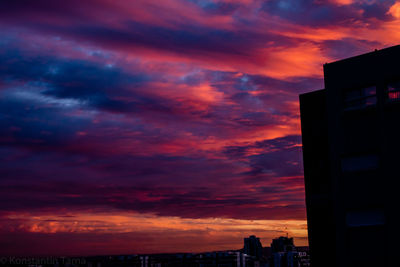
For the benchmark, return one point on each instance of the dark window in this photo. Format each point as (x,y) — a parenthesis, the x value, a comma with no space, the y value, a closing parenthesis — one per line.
(360,98)
(360,163)
(393,91)
(365,218)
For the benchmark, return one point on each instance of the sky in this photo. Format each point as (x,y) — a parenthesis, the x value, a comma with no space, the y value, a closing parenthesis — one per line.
(163,126)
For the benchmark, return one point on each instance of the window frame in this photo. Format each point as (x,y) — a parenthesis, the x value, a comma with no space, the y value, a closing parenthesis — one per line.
(365,218)
(360,101)
(395,91)
(358,161)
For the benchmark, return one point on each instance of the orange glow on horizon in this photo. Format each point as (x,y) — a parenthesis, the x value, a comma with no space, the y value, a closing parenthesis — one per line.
(206,230)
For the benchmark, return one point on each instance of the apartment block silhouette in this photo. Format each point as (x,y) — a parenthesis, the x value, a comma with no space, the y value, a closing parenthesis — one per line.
(351,151)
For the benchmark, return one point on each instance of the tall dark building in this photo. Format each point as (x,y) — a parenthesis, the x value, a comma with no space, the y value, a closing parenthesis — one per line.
(352,161)
(253,247)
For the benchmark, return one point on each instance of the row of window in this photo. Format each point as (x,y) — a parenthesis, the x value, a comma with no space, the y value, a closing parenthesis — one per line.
(360,218)
(365,218)
(365,97)
(359,163)
(354,100)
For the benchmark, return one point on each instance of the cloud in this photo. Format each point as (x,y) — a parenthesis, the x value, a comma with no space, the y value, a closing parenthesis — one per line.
(322,13)
(99,86)
(280,157)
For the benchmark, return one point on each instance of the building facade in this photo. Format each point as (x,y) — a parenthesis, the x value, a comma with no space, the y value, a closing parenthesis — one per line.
(351,158)
(252,246)
(285,254)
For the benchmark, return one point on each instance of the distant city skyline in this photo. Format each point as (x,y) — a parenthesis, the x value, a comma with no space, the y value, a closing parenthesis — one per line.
(282,253)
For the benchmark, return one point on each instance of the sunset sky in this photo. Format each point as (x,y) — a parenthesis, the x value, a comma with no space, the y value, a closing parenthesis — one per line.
(151,126)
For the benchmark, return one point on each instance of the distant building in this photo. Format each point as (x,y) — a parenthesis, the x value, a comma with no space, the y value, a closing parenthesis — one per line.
(303,255)
(207,259)
(285,254)
(351,152)
(253,246)
(282,244)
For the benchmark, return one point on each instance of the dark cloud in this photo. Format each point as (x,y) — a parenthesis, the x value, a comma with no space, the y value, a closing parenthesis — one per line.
(98,86)
(200,202)
(195,41)
(24,124)
(280,163)
(323,13)
(47,10)
(217,7)
(377,9)
(279,157)
(347,47)
(192,40)
(179,186)
(280,143)
(309,12)
(286,87)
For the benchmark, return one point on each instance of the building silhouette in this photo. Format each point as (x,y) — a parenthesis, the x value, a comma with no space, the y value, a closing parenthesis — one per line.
(282,244)
(285,254)
(351,154)
(206,259)
(253,247)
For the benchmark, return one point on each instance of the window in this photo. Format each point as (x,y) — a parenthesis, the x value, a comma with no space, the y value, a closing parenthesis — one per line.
(393,92)
(365,218)
(360,98)
(360,163)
